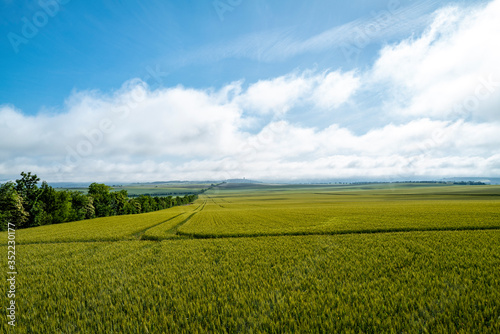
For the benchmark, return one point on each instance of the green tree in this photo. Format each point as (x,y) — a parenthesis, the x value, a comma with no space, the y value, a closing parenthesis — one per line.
(137,205)
(52,207)
(118,201)
(145,203)
(46,205)
(28,189)
(102,199)
(82,206)
(63,207)
(132,207)
(11,207)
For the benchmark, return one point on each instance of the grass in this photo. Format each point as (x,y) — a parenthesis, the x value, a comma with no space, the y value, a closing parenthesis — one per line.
(340,209)
(306,264)
(113,228)
(169,229)
(428,282)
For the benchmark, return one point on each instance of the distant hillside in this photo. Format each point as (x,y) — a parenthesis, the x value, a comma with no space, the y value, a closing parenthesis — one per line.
(487,180)
(242,181)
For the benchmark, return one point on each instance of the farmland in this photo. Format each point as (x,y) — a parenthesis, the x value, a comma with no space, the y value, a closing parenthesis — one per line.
(100,229)
(272,258)
(153,189)
(282,210)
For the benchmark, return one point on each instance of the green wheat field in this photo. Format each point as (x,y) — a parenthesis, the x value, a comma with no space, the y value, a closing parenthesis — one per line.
(260,258)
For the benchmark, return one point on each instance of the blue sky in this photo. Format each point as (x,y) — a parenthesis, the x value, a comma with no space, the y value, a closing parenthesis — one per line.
(213,79)
(101,44)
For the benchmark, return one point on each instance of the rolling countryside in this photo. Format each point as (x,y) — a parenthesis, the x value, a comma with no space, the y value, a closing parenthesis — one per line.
(267,258)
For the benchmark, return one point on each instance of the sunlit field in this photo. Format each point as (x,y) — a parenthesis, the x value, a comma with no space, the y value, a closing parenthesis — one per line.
(272,259)
(338,209)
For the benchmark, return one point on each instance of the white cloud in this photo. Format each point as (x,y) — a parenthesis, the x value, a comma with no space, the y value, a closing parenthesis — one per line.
(181,133)
(277,96)
(335,88)
(451,70)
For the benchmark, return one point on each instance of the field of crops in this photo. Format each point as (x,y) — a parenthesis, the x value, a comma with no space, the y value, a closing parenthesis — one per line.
(430,281)
(281,211)
(111,275)
(169,229)
(153,189)
(99,229)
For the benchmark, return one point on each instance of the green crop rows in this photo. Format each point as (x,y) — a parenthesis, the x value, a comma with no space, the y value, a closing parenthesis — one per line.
(290,213)
(423,281)
(169,229)
(98,229)
(112,275)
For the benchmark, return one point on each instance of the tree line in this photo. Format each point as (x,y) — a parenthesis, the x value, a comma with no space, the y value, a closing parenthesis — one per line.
(26,204)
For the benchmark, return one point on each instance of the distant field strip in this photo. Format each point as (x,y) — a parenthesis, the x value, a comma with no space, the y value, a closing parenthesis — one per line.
(99,229)
(317,216)
(284,210)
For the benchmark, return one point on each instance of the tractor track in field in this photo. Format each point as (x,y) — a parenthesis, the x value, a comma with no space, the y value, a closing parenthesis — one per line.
(141,233)
(172,232)
(174,229)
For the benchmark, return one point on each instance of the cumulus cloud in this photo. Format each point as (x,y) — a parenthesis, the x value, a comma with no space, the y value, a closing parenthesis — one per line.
(335,88)
(277,96)
(451,70)
(181,133)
